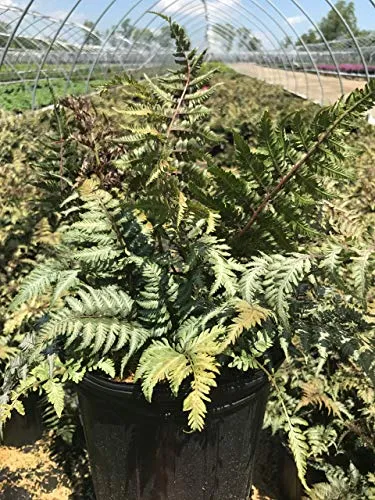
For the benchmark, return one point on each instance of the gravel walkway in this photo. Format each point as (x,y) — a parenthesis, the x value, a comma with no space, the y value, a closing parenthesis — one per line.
(325,89)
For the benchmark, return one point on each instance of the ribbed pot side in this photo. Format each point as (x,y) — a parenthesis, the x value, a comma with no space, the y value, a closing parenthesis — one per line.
(142,451)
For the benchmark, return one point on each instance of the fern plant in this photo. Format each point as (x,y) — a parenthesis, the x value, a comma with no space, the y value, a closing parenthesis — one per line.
(328,393)
(182,269)
(335,406)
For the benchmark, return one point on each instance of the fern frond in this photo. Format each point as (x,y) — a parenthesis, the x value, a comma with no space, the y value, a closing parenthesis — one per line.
(66,280)
(360,273)
(95,320)
(38,282)
(245,359)
(182,206)
(252,279)
(55,394)
(162,362)
(162,96)
(313,393)
(204,368)
(320,439)
(195,357)
(249,316)
(283,277)
(224,267)
(299,447)
(332,260)
(152,305)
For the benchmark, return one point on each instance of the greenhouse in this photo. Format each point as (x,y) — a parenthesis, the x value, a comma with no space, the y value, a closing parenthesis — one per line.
(73,53)
(187,249)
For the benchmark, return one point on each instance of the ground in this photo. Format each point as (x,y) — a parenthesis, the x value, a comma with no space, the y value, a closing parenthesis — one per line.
(324,89)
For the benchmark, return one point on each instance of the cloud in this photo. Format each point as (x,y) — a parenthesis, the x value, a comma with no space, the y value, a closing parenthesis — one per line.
(195,7)
(9,3)
(265,37)
(170,7)
(58,14)
(76,17)
(294,20)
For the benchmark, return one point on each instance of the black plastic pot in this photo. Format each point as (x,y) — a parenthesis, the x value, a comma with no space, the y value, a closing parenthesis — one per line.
(22,430)
(141,451)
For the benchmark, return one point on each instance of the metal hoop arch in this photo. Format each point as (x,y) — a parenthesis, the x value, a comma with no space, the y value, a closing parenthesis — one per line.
(80,51)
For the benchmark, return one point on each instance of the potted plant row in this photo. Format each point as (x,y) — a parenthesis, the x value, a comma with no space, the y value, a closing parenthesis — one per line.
(22,236)
(177,289)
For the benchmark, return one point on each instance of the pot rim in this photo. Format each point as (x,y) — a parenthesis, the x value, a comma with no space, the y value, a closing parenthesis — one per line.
(231,391)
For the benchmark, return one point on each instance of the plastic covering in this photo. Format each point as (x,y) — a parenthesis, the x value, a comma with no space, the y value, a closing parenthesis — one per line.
(259,37)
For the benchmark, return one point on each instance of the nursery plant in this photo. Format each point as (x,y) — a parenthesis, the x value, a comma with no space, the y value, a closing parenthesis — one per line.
(22,231)
(174,270)
(332,397)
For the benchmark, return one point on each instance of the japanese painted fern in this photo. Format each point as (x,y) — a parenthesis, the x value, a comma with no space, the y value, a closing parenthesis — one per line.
(184,268)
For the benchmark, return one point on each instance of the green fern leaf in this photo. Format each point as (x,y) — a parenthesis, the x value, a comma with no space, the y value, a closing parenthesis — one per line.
(55,395)
(249,316)
(66,280)
(360,272)
(204,368)
(106,366)
(299,447)
(252,279)
(37,283)
(161,362)
(283,277)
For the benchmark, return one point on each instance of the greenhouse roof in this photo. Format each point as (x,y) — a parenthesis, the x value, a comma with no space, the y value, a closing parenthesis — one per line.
(281,41)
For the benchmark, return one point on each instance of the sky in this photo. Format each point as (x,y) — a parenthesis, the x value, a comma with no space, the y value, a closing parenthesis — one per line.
(263,19)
